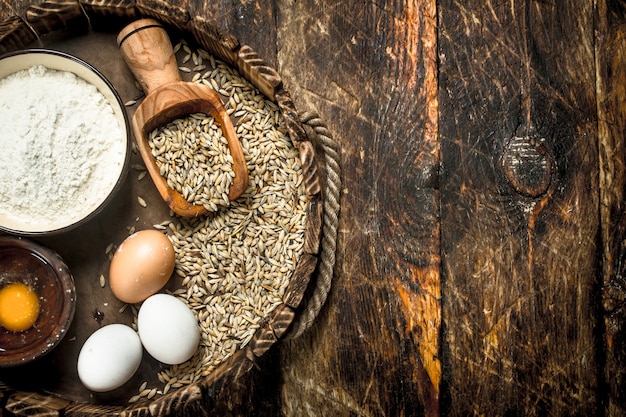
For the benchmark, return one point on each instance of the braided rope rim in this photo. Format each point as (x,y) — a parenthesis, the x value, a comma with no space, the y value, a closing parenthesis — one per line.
(312,306)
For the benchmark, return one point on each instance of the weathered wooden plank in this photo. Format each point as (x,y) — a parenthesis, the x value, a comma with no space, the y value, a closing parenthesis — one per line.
(369,70)
(242,387)
(611,50)
(223,45)
(518,193)
(519,198)
(252,22)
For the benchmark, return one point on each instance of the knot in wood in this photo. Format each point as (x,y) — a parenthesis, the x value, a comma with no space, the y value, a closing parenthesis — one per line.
(527,166)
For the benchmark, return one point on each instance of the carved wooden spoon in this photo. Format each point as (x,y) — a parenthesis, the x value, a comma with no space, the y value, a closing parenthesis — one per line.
(148,52)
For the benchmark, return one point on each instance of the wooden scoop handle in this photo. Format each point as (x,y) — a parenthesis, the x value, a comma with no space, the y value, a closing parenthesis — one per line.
(148,52)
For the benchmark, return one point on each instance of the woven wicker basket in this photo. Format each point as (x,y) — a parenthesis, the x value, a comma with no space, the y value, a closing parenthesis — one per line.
(72,17)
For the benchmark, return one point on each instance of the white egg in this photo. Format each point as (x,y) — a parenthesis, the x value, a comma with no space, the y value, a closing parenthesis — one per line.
(168,329)
(109,357)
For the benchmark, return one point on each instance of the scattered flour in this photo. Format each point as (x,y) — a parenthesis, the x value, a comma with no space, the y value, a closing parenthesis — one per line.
(61,147)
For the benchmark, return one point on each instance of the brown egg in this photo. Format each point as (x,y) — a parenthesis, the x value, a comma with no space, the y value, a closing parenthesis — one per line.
(141,266)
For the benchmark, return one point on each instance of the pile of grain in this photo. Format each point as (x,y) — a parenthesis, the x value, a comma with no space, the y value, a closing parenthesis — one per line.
(236,263)
(193,156)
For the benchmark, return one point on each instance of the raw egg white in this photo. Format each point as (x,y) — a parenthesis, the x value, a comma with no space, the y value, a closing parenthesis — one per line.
(109,357)
(168,329)
(141,266)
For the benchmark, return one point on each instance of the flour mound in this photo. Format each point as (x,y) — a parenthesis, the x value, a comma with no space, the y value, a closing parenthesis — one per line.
(61,147)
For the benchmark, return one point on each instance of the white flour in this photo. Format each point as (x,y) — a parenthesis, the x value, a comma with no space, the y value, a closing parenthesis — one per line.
(61,147)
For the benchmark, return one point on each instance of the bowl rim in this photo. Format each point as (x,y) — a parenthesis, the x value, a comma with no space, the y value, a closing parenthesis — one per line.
(64,277)
(126,129)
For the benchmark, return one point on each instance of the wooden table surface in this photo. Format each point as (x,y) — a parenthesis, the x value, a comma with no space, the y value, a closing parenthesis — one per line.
(480,267)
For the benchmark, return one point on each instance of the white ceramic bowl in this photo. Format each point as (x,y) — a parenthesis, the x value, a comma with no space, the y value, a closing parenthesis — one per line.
(15,215)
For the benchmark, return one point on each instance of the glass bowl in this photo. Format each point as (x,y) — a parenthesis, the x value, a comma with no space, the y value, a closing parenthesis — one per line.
(43,271)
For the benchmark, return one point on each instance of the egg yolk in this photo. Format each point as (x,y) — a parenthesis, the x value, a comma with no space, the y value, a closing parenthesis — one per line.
(19,307)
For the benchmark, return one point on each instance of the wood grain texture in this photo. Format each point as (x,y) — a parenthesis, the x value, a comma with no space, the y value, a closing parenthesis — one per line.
(526,206)
(223,45)
(369,69)
(251,22)
(228,394)
(611,50)
(520,277)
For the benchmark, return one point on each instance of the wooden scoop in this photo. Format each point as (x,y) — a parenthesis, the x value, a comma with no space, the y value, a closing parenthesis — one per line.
(148,52)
